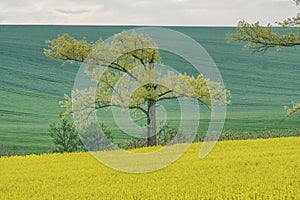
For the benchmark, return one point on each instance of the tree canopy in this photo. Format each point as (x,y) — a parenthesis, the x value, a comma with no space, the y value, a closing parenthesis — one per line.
(129,58)
(261,38)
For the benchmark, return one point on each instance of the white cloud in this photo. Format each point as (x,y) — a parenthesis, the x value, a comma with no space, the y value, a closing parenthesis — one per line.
(150,12)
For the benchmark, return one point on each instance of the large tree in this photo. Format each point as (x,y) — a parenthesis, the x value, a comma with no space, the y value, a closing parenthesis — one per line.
(128,58)
(261,38)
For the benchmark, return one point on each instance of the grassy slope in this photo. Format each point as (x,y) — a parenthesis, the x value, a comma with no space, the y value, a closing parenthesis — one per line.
(31,85)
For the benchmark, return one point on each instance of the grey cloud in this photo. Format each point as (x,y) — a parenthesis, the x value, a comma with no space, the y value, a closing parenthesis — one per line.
(72,11)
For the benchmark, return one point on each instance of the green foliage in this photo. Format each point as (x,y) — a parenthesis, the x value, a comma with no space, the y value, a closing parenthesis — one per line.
(97,137)
(68,48)
(260,39)
(10,151)
(121,57)
(128,58)
(266,133)
(4,151)
(65,137)
(255,134)
(294,109)
(165,136)
(133,143)
(294,21)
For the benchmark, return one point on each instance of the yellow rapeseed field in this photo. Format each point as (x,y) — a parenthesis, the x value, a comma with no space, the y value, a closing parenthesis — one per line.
(252,169)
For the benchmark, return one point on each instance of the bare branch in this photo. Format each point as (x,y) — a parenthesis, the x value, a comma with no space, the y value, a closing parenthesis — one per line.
(122,106)
(165,93)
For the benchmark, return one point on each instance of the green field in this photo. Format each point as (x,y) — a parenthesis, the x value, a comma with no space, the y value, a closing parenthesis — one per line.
(31,84)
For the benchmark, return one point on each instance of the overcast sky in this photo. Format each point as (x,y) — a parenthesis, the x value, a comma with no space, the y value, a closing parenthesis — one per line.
(145,12)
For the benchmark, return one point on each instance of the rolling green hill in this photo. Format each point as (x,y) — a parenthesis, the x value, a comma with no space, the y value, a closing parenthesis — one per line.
(31,84)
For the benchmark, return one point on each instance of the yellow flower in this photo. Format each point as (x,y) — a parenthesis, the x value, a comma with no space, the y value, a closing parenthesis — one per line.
(252,169)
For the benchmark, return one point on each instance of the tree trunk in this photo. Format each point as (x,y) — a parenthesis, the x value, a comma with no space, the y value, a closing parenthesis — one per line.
(151,124)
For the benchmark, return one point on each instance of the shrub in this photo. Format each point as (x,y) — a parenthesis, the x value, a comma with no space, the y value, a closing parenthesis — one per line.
(66,138)
(165,136)
(133,143)
(10,151)
(93,140)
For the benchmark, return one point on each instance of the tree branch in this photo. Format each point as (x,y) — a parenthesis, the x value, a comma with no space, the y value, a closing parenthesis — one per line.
(181,96)
(165,93)
(123,69)
(141,60)
(120,106)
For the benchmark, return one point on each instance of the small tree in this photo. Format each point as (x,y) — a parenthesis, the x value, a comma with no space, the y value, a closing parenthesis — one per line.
(65,137)
(260,39)
(129,55)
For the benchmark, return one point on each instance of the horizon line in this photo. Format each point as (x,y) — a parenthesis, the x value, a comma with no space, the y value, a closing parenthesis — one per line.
(156,25)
